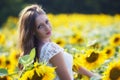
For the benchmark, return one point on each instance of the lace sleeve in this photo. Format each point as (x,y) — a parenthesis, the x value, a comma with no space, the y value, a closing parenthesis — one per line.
(50,50)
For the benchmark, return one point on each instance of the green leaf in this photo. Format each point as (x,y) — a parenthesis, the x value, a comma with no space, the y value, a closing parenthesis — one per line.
(32,53)
(25,60)
(30,67)
(3,72)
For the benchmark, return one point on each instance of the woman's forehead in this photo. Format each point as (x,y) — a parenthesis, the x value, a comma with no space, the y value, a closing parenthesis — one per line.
(41,19)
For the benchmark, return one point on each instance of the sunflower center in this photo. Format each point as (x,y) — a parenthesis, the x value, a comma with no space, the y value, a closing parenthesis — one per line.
(114,73)
(108,51)
(59,42)
(7,62)
(3,78)
(74,36)
(79,40)
(36,76)
(93,57)
(117,39)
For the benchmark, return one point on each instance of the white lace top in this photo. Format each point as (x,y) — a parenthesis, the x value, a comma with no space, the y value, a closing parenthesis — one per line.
(51,49)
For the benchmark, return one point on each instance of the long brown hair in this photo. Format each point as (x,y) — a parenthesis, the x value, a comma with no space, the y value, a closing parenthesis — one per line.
(27,38)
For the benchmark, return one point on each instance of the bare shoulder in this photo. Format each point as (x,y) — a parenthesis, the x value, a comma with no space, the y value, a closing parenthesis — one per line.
(61,69)
(57,58)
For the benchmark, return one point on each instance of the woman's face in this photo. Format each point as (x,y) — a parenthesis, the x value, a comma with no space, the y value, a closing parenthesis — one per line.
(43,27)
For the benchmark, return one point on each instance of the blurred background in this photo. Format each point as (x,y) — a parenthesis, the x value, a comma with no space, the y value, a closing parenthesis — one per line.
(87,29)
(13,7)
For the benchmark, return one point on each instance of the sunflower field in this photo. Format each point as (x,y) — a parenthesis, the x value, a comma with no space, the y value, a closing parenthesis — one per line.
(93,40)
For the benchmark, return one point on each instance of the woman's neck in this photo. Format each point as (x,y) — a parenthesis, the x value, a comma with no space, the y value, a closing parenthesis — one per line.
(43,41)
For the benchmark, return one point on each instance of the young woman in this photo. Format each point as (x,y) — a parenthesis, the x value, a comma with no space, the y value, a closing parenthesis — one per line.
(35,32)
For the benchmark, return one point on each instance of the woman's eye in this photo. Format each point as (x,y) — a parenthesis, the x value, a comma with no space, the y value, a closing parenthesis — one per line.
(39,26)
(47,21)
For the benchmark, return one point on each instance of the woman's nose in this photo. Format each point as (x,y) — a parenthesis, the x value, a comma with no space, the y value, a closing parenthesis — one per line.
(47,27)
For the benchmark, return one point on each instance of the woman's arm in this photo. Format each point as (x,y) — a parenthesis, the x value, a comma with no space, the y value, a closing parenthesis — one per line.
(61,69)
(86,72)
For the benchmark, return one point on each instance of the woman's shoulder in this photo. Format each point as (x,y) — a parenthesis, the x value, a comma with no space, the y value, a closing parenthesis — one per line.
(50,49)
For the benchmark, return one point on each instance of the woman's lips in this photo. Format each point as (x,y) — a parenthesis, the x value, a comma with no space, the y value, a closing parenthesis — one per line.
(48,33)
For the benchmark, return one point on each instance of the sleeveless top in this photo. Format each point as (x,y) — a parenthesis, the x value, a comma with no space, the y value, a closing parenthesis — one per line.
(51,49)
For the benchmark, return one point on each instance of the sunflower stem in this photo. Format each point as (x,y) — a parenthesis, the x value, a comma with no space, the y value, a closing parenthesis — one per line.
(22,71)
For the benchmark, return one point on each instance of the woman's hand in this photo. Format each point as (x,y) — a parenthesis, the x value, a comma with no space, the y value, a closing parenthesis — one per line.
(88,73)
(96,77)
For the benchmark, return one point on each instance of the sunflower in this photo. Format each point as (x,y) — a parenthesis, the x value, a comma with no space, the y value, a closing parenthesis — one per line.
(94,44)
(84,77)
(14,55)
(115,40)
(76,39)
(45,71)
(92,59)
(80,77)
(77,61)
(109,51)
(60,41)
(39,72)
(6,63)
(2,61)
(5,78)
(113,71)
(27,75)
(2,39)
(9,65)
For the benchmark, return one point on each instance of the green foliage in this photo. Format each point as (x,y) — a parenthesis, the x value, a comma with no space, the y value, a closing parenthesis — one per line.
(27,59)
(8,8)
(3,72)
(12,8)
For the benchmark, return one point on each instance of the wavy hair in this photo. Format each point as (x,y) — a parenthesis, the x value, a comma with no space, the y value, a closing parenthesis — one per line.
(26,24)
